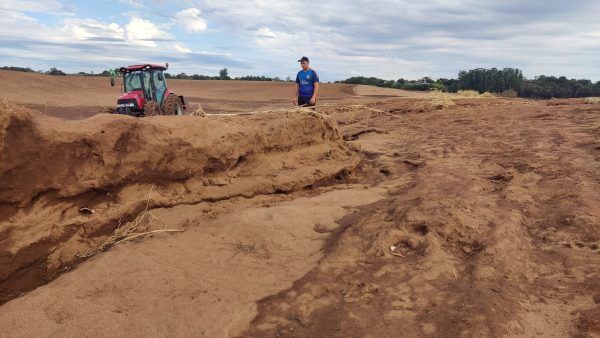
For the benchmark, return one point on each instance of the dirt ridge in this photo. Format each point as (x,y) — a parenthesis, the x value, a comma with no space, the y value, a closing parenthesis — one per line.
(51,168)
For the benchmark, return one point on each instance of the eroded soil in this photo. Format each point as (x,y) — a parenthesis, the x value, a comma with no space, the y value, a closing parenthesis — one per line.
(392,218)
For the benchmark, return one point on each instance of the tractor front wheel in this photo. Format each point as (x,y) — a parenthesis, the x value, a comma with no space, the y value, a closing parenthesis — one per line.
(173,105)
(151,108)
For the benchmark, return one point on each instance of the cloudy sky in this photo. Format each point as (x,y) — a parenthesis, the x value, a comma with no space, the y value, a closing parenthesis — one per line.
(387,38)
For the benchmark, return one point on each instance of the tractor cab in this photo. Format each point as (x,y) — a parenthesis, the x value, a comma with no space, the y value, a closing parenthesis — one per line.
(145,92)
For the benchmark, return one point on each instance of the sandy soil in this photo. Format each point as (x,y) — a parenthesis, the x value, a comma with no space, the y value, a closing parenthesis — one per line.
(393,217)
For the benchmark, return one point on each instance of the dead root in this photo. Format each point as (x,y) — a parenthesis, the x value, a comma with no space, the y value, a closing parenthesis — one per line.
(312,111)
(132,232)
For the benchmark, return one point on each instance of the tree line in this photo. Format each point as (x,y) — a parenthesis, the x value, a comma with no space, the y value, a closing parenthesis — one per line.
(223,75)
(18,69)
(506,82)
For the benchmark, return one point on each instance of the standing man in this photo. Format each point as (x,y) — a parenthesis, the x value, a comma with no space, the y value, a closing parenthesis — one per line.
(307,85)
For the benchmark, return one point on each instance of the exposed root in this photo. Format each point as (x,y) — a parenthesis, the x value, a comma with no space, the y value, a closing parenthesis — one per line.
(130,233)
(355,109)
(148,233)
(302,110)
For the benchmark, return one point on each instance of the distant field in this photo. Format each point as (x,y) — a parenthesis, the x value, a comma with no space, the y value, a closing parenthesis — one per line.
(81,96)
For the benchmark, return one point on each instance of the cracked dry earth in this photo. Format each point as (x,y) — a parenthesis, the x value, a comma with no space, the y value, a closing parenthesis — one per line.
(479,219)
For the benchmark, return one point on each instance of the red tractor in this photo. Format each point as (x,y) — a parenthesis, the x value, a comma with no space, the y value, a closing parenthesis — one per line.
(145,92)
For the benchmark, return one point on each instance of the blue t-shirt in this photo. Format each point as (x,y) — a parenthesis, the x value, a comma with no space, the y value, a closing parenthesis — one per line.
(306,80)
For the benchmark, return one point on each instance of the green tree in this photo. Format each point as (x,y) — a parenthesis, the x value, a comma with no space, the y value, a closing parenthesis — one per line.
(54,71)
(223,74)
(18,69)
(490,80)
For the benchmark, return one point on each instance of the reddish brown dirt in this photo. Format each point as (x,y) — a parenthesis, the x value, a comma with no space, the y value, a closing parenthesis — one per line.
(475,219)
(491,229)
(50,168)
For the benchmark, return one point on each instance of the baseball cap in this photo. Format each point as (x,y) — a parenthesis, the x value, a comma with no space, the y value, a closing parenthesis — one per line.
(304,58)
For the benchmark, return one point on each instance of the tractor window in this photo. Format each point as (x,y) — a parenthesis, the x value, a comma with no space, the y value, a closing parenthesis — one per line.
(138,80)
(133,81)
(159,82)
(147,85)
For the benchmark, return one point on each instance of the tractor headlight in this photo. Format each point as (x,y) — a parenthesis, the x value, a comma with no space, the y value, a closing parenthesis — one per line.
(131,104)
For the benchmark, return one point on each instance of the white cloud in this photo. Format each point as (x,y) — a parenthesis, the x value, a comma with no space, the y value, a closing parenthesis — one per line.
(265,33)
(267,39)
(137,4)
(179,47)
(190,20)
(44,6)
(137,31)
(12,17)
(86,29)
(144,32)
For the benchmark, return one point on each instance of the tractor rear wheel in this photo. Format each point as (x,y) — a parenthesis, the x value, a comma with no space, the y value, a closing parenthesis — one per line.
(173,105)
(151,108)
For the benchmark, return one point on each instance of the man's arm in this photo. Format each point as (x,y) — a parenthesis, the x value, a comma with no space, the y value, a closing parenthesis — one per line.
(295,97)
(313,99)
(296,90)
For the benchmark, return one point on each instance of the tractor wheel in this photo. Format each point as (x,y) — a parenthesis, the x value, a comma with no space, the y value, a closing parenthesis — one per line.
(173,105)
(151,108)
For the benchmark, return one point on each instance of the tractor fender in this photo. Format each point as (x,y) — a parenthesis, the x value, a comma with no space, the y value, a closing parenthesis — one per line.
(168,93)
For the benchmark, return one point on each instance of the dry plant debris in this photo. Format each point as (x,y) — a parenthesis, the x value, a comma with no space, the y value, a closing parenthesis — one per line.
(132,231)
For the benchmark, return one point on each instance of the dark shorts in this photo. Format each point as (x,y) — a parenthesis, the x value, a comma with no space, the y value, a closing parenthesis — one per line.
(304,101)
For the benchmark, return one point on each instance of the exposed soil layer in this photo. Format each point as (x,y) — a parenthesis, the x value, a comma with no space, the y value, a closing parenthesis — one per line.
(50,169)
